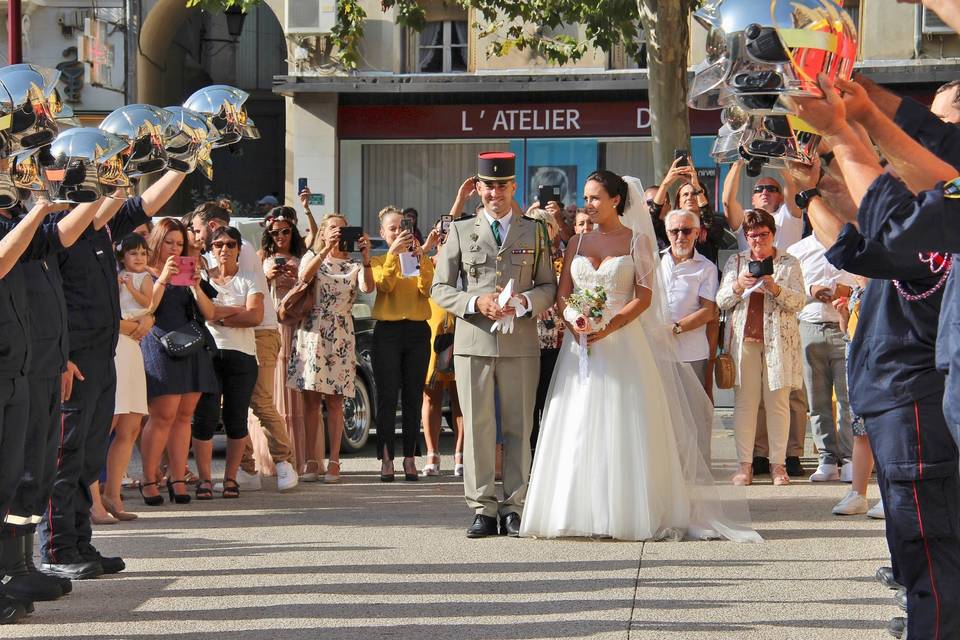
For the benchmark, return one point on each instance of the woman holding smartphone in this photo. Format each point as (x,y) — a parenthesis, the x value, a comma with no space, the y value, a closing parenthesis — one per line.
(282,247)
(174,384)
(323,359)
(401,337)
(239,309)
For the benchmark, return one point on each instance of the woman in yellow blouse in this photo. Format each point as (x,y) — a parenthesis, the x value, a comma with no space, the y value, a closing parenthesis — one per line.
(401,337)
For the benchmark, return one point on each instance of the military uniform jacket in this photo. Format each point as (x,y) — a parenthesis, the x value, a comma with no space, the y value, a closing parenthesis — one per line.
(470,255)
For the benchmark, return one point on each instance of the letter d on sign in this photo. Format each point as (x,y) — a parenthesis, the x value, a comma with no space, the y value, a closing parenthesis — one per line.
(643,117)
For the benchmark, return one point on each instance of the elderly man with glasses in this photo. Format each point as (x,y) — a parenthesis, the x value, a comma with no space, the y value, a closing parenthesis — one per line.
(691,282)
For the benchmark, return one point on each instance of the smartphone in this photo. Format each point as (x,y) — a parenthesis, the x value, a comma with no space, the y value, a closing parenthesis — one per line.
(406,225)
(280,261)
(349,237)
(682,154)
(549,193)
(301,185)
(445,221)
(187,266)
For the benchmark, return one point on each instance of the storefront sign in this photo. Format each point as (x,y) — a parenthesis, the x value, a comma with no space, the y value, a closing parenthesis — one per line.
(507,121)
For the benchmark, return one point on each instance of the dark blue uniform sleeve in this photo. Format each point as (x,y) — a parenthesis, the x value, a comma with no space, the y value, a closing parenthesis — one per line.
(929,221)
(130,216)
(45,242)
(862,256)
(939,137)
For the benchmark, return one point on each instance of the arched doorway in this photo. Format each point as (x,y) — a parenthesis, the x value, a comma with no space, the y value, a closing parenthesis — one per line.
(182,50)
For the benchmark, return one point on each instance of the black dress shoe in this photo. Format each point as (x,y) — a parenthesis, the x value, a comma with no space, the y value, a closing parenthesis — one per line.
(761,466)
(900,597)
(482,527)
(109,565)
(794,468)
(11,610)
(510,525)
(73,567)
(897,627)
(885,577)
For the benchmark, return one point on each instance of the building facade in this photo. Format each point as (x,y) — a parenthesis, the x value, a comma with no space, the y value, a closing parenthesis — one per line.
(406,127)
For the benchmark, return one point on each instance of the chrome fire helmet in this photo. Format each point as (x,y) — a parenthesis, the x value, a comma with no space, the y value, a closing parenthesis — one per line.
(223,104)
(192,141)
(760,50)
(30,105)
(85,164)
(146,129)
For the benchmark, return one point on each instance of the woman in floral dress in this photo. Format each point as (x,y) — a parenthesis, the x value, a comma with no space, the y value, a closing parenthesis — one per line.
(282,247)
(323,359)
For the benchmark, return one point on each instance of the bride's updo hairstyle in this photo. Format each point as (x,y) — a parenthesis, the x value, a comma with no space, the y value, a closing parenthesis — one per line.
(613,184)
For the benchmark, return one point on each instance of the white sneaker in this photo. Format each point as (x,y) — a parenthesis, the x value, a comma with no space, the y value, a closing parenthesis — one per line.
(286,477)
(249,481)
(876,511)
(825,473)
(846,471)
(852,504)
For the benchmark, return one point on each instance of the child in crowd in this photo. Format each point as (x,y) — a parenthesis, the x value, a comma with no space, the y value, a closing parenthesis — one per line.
(136,304)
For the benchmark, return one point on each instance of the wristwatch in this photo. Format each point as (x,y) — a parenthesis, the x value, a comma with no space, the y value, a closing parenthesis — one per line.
(804,197)
(677,330)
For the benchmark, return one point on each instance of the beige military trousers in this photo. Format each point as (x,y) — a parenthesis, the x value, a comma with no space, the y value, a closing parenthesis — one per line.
(514,379)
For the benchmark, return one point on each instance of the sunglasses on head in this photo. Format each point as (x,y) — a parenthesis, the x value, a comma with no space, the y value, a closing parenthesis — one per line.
(680,231)
(772,188)
(279,232)
(229,244)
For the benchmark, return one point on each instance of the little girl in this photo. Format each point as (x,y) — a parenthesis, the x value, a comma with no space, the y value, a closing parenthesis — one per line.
(136,303)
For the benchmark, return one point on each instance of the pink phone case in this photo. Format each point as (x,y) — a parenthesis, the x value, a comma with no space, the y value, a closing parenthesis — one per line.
(187,265)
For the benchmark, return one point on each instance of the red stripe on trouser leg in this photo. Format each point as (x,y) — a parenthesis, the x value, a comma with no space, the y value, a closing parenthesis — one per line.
(50,500)
(926,545)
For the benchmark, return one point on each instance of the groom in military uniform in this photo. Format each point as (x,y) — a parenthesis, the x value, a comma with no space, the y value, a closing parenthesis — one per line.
(496,349)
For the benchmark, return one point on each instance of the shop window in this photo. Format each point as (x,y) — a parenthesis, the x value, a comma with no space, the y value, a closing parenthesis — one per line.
(443,47)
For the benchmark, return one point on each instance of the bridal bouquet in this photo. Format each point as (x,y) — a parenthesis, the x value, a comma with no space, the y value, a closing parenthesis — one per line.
(585,311)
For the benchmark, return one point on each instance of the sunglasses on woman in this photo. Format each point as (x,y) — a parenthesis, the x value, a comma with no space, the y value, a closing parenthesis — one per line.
(232,244)
(276,233)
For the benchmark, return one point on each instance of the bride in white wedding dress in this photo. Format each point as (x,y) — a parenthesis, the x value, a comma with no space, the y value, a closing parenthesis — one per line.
(617,455)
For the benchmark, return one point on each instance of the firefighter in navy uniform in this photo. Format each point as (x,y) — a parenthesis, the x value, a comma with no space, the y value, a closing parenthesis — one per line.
(915,446)
(89,271)
(48,353)
(19,241)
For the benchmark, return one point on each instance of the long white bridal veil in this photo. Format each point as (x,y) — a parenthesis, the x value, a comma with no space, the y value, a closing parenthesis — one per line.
(715,510)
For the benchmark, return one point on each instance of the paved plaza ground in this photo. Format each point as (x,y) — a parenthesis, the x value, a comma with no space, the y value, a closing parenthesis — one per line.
(368,560)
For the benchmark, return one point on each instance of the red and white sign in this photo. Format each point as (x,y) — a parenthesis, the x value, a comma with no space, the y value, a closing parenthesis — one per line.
(565,120)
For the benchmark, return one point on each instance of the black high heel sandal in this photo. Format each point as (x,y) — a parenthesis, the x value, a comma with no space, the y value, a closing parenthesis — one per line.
(386,477)
(177,497)
(230,488)
(204,490)
(150,501)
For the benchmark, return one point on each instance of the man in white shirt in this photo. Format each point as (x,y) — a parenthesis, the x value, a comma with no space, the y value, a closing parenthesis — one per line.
(824,358)
(769,195)
(206,218)
(691,284)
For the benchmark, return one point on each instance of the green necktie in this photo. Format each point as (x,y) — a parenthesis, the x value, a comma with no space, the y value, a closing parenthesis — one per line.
(496,232)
